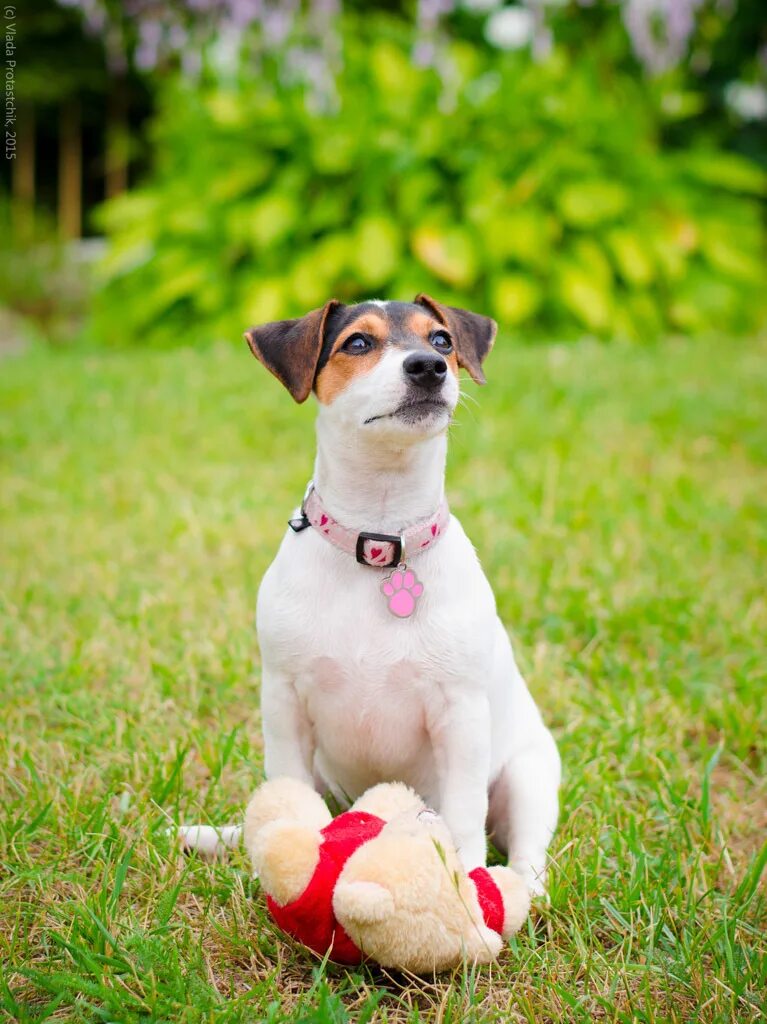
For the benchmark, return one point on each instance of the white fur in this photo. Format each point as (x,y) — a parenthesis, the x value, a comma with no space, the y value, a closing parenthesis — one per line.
(353,696)
(207,841)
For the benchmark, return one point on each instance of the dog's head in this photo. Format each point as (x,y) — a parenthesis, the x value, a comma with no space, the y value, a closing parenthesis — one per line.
(388,367)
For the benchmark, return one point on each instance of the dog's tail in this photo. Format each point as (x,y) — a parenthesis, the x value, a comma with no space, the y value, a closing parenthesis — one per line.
(206,841)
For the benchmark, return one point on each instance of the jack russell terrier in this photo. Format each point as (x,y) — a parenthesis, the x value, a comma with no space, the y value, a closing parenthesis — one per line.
(383,656)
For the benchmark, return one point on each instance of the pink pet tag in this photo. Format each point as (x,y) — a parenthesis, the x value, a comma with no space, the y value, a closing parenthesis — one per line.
(402,589)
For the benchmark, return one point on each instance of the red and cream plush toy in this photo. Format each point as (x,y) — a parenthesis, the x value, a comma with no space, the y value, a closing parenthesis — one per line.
(382,881)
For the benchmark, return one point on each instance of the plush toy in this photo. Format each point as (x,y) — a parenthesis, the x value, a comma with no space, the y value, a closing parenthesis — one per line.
(382,881)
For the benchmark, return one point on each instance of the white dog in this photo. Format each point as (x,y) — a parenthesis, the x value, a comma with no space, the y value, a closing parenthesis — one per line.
(376,673)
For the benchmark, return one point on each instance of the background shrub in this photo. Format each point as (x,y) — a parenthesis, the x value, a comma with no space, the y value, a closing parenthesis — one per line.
(537,191)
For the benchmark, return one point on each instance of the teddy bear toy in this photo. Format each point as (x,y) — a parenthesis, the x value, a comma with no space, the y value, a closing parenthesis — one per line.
(381,882)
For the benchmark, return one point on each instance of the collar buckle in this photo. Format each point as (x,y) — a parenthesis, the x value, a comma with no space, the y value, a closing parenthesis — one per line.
(382,538)
(301,521)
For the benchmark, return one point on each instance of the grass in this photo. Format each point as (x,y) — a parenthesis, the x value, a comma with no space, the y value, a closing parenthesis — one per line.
(618,498)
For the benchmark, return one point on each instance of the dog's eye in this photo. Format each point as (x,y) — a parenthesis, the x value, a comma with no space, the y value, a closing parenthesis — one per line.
(357,344)
(441,341)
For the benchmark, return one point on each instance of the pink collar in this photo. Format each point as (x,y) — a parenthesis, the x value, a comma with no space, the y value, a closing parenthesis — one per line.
(380,550)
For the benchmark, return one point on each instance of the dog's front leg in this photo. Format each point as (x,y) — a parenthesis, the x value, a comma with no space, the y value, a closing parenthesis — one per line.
(288,739)
(460,738)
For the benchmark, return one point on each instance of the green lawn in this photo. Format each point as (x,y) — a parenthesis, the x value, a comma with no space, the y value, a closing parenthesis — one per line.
(618,498)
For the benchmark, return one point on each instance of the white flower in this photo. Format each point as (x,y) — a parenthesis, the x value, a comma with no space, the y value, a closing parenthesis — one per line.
(511,28)
(748,100)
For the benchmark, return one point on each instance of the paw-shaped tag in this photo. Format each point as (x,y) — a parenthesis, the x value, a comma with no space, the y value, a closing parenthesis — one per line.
(402,590)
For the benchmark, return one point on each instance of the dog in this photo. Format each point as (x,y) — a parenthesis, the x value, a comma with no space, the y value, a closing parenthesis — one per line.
(383,656)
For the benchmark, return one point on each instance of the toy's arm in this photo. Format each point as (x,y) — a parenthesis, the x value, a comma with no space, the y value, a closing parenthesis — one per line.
(515,895)
(282,828)
(482,945)
(284,855)
(361,903)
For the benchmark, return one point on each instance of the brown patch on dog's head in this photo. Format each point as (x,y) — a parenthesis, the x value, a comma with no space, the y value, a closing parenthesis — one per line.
(291,349)
(472,334)
(340,367)
(421,323)
(366,321)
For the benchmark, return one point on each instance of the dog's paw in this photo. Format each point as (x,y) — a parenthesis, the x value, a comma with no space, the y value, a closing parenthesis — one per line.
(534,880)
(403,590)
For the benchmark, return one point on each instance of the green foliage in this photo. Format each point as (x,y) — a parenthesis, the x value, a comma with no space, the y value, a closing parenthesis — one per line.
(537,192)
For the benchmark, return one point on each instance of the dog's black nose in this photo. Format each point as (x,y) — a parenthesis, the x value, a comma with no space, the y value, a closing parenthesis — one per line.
(426,369)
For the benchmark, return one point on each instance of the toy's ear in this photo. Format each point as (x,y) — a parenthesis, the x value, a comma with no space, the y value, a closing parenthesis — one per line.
(290,349)
(362,902)
(473,334)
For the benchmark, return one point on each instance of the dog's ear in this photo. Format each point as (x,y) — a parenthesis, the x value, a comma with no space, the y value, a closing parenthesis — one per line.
(290,349)
(473,334)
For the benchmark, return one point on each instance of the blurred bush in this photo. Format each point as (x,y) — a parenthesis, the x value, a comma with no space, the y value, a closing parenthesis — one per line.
(45,286)
(536,191)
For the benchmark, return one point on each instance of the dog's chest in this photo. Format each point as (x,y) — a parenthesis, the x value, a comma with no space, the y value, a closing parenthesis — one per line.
(369,722)
(361,675)
(372,685)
